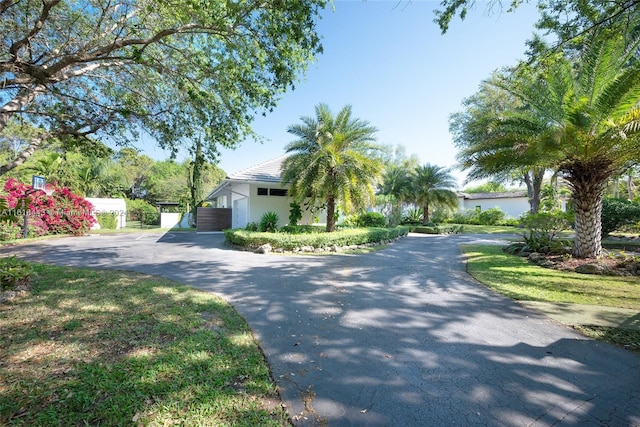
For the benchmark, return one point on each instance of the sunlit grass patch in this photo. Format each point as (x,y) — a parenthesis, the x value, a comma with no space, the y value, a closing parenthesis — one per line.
(112,348)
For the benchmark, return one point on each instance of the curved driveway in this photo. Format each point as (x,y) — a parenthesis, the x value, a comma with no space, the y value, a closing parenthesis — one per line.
(398,337)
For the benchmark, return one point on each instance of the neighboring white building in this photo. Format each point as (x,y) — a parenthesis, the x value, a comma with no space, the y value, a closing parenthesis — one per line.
(115,206)
(512,203)
(252,192)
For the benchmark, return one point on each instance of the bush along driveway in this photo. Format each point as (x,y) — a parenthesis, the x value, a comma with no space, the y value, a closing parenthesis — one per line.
(401,336)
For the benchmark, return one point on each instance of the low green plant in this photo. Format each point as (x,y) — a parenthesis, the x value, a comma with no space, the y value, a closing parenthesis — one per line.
(617,213)
(466,217)
(300,229)
(107,220)
(414,215)
(371,219)
(269,222)
(490,216)
(252,226)
(543,235)
(14,273)
(140,210)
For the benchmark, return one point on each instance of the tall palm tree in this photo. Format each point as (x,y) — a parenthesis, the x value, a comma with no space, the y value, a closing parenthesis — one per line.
(581,115)
(432,187)
(333,161)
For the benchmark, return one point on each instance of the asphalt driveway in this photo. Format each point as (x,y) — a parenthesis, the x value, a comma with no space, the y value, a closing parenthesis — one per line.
(398,337)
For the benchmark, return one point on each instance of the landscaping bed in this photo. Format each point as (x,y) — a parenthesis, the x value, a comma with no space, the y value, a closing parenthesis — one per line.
(345,239)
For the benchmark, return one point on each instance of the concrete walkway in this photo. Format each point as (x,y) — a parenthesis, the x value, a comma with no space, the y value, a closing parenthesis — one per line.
(398,337)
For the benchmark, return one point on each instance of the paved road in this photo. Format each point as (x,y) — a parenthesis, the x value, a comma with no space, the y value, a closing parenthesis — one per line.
(398,337)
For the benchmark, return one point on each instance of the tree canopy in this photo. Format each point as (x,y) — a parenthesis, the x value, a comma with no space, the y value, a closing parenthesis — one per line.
(568,19)
(176,69)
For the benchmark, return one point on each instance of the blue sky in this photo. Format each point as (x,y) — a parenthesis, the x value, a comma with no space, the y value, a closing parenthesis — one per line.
(388,60)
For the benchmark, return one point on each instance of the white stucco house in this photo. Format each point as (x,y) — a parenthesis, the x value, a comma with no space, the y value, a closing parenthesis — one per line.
(254,191)
(512,203)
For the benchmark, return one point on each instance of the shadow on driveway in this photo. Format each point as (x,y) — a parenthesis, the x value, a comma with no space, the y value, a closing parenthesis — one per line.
(398,337)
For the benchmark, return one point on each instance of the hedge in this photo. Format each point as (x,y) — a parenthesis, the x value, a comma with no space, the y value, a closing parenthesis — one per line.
(289,242)
(439,229)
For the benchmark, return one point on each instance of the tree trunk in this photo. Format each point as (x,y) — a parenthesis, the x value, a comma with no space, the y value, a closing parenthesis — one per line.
(425,214)
(588,182)
(331,214)
(533,181)
(588,211)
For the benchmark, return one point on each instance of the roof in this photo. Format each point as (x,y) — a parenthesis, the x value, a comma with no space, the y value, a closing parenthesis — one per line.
(502,195)
(268,171)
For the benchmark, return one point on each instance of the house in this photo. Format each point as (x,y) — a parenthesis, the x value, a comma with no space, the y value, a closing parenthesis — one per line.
(512,203)
(252,192)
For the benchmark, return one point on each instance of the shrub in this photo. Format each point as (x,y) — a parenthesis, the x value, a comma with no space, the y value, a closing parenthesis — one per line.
(62,212)
(467,217)
(441,215)
(141,210)
(371,219)
(544,233)
(491,216)
(252,226)
(107,220)
(414,216)
(14,272)
(269,222)
(617,213)
(510,222)
(301,229)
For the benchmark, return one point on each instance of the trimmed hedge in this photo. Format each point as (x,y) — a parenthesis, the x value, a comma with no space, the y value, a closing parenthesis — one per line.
(289,242)
(439,229)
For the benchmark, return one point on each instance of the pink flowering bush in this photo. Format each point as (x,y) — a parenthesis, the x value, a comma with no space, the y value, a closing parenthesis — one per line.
(63,212)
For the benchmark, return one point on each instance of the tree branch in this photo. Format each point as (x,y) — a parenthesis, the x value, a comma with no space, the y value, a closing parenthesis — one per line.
(25,154)
(37,27)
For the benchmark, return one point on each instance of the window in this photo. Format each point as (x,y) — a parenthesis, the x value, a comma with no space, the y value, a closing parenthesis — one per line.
(263,191)
(277,192)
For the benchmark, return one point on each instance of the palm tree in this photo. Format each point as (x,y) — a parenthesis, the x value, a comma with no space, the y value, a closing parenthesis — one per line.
(396,184)
(432,187)
(332,161)
(581,116)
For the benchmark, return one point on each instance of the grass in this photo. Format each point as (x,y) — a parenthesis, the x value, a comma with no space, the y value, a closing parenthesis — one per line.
(112,348)
(490,229)
(514,277)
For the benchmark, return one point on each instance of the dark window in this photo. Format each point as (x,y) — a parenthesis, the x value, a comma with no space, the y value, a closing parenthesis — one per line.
(277,192)
(263,191)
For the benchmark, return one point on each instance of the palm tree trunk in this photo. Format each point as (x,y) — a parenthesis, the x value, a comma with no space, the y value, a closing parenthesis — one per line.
(331,214)
(425,214)
(587,201)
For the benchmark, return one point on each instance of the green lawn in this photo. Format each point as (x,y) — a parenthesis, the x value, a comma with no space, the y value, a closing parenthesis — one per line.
(514,277)
(112,348)
(490,229)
